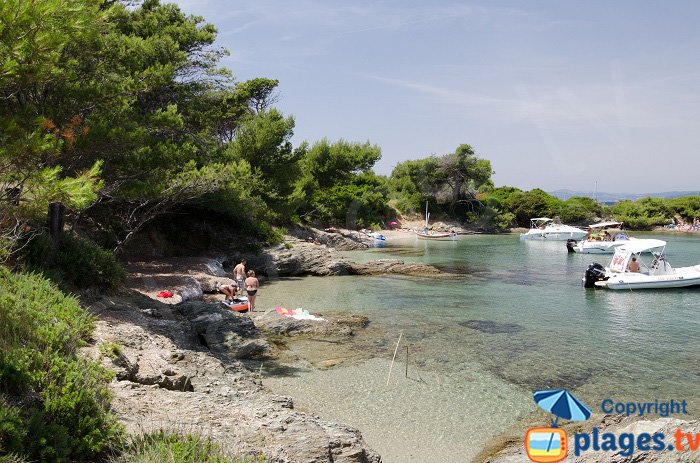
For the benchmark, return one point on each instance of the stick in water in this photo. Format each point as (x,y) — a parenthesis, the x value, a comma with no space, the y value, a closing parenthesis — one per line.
(392,360)
(406,360)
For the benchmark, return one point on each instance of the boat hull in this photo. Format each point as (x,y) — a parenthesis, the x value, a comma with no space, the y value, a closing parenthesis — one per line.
(436,236)
(598,247)
(240,304)
(553,235)
(681,278)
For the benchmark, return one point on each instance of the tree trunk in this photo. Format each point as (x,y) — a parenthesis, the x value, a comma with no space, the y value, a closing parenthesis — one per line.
(56,220)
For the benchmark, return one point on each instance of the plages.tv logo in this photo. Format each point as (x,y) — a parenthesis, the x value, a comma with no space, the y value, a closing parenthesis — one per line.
(549,445)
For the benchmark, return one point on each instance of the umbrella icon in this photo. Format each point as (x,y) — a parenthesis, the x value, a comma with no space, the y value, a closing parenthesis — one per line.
(562,404)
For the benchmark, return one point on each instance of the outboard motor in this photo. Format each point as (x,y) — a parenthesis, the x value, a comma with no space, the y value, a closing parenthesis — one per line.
(570,245)
(594,272)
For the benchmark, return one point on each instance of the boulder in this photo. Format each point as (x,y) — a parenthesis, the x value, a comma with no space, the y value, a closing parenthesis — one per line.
(225,333)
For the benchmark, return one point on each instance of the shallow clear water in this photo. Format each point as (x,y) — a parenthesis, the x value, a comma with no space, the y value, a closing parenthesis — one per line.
(479,343)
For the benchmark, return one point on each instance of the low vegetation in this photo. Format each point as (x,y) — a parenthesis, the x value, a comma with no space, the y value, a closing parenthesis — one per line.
(162,447)
(54,403)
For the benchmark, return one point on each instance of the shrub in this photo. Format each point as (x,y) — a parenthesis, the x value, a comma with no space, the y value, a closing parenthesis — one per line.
(73,262)
(162,447)
(64,414)
(110,349)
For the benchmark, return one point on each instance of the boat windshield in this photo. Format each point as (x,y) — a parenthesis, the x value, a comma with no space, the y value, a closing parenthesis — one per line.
(540,222)
(604,225)
(646,252)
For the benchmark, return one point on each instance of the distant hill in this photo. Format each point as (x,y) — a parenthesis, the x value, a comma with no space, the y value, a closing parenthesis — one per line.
(615,197)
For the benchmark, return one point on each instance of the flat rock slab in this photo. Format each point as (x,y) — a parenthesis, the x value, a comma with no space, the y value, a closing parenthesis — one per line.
(272,322)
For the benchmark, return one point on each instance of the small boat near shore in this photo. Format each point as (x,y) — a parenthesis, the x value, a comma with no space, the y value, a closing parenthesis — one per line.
(427,234)
(654,270)
(238,304)
(430,235)
(544,228)
(599,239)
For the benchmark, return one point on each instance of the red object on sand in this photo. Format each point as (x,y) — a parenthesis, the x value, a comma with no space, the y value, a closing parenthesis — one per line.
(165,294)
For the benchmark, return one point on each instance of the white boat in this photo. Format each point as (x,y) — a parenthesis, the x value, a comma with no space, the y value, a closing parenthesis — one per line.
(655,271)
(544,228)
(599,240)
(427,234)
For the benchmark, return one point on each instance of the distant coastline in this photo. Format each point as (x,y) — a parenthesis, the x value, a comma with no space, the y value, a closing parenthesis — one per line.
(606,198)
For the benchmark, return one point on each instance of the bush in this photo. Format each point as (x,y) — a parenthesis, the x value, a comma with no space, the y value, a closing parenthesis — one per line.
(644,213)
(64,414)
(110,349)
(73,262)
(161,447)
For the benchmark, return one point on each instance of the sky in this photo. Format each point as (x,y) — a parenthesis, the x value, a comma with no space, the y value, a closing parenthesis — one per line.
(557,94)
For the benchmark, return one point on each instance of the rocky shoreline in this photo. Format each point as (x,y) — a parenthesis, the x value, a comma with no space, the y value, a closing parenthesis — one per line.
(179,368)
(187,364)
(180,362)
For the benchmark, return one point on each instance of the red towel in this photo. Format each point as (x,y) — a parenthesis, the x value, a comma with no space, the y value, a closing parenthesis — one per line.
(165,294)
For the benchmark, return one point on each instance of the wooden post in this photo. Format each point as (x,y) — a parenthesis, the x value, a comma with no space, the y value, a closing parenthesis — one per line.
(406,360)
(56,219)
(392,360)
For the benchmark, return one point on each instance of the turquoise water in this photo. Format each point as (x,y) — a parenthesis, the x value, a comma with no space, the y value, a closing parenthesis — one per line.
(516,318)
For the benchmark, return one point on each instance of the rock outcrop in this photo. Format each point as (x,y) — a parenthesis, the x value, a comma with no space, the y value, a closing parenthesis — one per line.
(227,334)
(271,322)
(177,369)
(296,258)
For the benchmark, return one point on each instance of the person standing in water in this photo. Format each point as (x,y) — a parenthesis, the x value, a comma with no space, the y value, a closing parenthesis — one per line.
(239,275)
(251,285)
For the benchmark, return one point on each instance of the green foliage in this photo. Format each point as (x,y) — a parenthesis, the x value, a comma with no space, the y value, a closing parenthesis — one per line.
(263,141)
(73,262)
(529,204)
(578,209)
(337,185)
(162,447)
(452,181)
(13,431)
(412,183)
(65,403)
(44,50)
(46,186)
(110,349)
(688,207)
(643,213)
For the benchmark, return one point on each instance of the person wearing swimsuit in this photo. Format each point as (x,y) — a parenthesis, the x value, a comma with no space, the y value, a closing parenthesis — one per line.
(239,275)
(251,285)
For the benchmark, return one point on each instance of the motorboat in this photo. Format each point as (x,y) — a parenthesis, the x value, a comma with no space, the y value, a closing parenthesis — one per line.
(428,234)
(544,228)
(603,238)
(640,264)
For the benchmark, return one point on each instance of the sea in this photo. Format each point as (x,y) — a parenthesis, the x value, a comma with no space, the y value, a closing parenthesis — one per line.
(448,365)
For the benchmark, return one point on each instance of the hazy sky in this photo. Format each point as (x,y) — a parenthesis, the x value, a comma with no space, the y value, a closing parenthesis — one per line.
(557,94)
